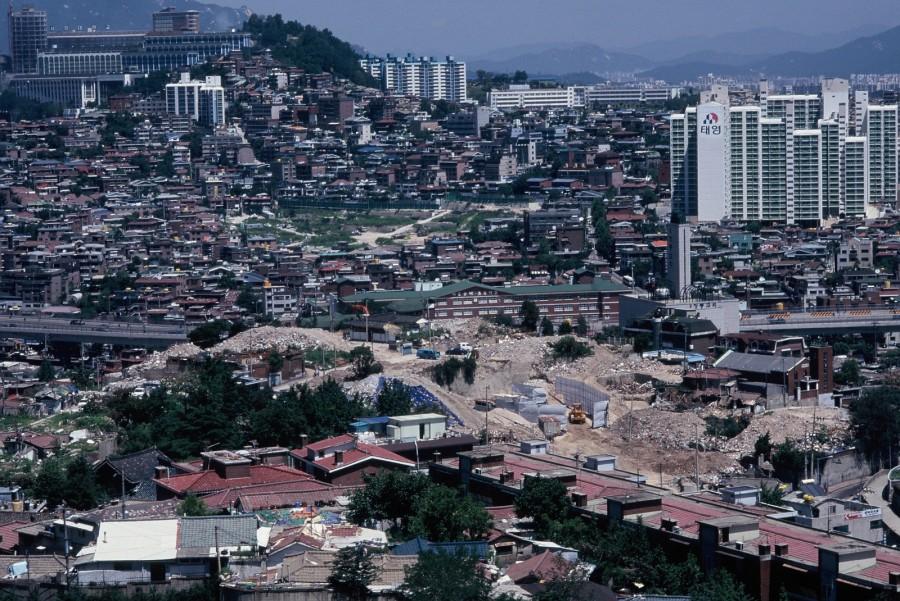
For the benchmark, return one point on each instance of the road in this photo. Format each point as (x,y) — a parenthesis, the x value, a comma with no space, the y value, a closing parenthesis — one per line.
(369,237)
(105,332)
(873,494)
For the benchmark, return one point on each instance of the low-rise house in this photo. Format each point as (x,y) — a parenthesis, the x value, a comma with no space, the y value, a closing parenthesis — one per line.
(345,460)
(223,470)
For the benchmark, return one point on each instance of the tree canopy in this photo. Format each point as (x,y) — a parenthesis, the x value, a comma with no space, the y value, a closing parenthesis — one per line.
(314,50)
(418,507)
(206,408)
(544,500)
(443,577)
(875,421)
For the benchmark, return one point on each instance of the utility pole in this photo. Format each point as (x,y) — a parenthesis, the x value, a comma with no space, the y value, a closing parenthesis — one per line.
(218,555)
(697,454)
(122,478)
(66,542)
(487,409)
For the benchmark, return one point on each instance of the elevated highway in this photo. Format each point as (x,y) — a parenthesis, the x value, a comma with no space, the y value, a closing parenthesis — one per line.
(860,320)
(51,329)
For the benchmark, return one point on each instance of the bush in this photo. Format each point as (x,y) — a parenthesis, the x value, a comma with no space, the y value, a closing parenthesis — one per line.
(504,320)
(565,328)
(729,427)
(570,348)
(444,374)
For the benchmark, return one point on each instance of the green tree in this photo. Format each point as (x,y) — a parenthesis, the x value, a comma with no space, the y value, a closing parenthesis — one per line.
(390,496)
(394,399)
(720,586)
(352,572)
(546,327)
(771,495)
(763,446)
(192,506)
(443,515)
(248,300)
(544,500)
(849,374)
(530,314)
(581,326)
(81,489)
(363,360)
(570,348)
(210,333)
(875,421)
(565,328)
(788,461)
(443,577)
(50,483)
(46,372)
(275,361)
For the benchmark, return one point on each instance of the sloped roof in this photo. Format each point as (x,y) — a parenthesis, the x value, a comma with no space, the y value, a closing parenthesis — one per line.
(200,534)
(139,466)
(137,540)
(546,566)
(756,363)
(209,481)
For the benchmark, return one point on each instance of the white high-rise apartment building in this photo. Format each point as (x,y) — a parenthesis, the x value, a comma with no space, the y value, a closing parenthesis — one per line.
(779,161)
(856,175)
(202,101)
(881,132)
(424,76)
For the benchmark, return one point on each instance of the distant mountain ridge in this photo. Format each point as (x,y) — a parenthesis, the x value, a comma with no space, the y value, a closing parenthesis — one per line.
(740,53)
(134,15)
(571,58)
(878,53)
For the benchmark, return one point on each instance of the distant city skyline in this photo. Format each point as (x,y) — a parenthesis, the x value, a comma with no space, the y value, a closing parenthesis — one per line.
(473,27)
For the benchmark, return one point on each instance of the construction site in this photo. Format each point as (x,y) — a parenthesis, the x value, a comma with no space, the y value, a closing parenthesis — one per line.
(613,402)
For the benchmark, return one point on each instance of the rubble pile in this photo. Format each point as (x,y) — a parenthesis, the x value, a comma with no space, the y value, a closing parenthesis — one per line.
(830,430)
(268,338)
(664,429)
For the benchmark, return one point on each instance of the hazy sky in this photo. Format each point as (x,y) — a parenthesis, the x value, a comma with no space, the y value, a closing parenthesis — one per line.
(470,27)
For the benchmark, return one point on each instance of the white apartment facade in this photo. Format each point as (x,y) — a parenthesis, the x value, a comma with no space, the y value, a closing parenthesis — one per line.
(781,160)
(420,76)
(202,101)
(524,97)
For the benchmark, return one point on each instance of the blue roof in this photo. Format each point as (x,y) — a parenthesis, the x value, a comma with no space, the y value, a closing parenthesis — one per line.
(372,420)
(415,546)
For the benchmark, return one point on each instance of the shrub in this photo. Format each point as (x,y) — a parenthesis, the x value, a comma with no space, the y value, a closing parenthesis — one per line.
(570,348)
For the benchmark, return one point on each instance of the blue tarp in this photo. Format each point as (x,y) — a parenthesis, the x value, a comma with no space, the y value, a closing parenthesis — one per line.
(421,397)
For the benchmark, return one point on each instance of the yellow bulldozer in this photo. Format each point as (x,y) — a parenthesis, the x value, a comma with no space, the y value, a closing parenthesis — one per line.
(577,414)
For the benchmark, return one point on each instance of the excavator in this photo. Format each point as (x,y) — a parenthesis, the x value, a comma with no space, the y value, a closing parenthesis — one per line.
(577,414)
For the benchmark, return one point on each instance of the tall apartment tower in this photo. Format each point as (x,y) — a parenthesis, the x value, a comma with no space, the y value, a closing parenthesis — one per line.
(678,268)
(171,20)
(746,162)
(203,101)
(700,168)
(789,159)
(856,175)
(27,38)
(881,132)
(836,112)
(860,107)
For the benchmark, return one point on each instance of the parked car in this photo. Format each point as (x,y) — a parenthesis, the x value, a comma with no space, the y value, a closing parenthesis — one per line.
(428,353)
